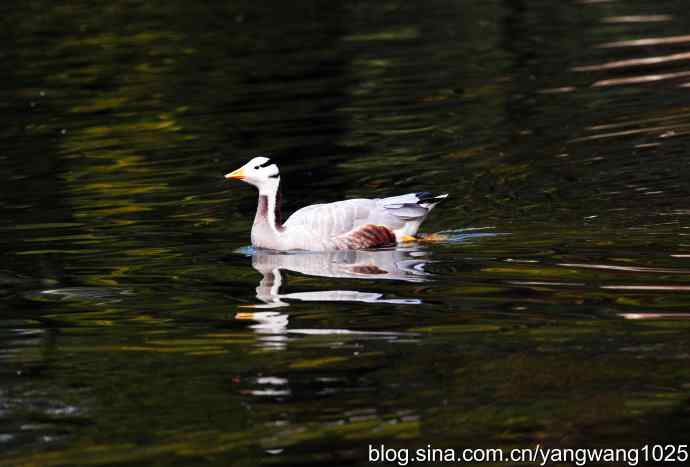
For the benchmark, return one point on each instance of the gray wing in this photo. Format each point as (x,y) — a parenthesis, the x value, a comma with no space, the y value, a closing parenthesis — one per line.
(405,207)
(412,206)
(334,219)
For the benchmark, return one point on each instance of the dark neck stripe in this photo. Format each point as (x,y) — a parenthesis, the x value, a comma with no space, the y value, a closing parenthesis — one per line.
(278,208)
(263,206)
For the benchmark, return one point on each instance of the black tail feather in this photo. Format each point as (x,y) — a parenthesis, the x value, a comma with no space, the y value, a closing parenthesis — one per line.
(429,198)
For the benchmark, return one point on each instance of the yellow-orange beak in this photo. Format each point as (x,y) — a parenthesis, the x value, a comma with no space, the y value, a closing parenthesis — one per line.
(237,174)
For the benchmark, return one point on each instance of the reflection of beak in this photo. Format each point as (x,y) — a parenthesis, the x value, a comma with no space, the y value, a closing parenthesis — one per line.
(244,316)
(237,174)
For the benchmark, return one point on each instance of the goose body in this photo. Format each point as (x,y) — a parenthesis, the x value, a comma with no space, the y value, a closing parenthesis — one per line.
(343,225)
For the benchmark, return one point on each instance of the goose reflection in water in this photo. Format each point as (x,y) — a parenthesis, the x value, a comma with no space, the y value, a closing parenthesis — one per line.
(397,264)
(402,264)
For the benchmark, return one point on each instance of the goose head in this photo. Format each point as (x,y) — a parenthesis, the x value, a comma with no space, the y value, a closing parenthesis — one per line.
(260,172)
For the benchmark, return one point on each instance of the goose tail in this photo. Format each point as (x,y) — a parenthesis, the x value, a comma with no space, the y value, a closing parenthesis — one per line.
(429,200)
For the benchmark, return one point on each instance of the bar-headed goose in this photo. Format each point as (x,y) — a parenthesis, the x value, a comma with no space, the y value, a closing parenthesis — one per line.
(344,225)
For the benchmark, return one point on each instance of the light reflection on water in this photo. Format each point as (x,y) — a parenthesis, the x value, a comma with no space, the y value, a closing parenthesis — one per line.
(125,334)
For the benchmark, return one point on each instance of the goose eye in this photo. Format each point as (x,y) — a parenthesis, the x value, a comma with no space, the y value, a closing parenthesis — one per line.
(257,167)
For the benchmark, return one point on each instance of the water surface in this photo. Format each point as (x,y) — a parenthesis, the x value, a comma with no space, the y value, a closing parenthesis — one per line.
(138,328)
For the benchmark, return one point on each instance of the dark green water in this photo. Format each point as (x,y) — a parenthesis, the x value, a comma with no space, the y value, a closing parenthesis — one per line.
(559,315)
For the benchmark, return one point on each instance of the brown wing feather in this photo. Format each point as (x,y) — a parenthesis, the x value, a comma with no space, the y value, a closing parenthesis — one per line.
(366,236)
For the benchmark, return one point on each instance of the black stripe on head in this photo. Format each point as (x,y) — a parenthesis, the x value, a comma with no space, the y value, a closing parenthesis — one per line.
(266,164)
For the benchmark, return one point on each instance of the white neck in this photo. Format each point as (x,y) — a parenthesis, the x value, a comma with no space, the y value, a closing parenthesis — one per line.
(269,190)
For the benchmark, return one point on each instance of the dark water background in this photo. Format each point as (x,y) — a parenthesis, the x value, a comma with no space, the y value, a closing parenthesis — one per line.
(559,128)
